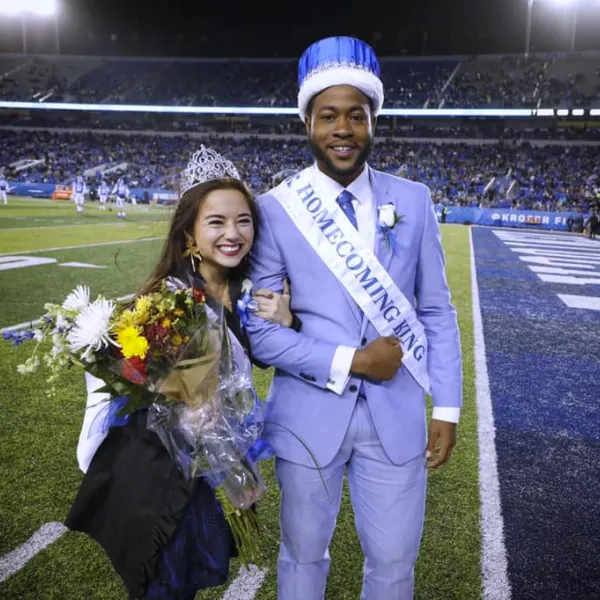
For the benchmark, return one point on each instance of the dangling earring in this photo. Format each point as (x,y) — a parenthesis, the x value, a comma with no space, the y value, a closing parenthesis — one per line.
(191,250)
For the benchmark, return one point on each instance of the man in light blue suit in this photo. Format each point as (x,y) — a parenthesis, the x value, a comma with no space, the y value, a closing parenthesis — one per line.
(362,251)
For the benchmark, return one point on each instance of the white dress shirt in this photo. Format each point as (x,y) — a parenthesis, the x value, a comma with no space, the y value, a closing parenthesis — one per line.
(366,219)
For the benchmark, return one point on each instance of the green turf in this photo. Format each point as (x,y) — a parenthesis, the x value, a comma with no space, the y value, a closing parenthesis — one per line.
(34,225)
(38,437)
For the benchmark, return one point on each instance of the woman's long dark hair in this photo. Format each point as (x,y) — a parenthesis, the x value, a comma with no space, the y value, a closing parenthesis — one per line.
(172,261)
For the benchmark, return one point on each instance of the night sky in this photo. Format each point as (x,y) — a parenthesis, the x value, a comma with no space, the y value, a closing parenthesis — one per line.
(269,29)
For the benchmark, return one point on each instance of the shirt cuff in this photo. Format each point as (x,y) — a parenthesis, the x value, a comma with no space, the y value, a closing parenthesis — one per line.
(446,413)
(339,372)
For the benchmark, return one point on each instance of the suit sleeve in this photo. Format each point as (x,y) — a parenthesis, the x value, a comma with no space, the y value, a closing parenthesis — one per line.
(284,348)
(438,316)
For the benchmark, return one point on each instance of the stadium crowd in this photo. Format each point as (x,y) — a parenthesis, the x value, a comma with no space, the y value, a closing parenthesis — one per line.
(509,81)
(501,174)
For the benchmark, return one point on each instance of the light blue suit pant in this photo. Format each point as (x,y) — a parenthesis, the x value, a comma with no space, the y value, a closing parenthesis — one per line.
(389,507)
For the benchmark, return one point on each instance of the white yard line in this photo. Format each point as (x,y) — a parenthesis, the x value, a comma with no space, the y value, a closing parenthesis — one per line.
(35,227)
(14,561)
(246,584)
(59,248)
(493,560)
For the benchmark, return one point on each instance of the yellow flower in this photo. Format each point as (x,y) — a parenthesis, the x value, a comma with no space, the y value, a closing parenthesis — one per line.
(177,340)
(128,318)
(142,308)
(166,322)
(132,343)
(178,312)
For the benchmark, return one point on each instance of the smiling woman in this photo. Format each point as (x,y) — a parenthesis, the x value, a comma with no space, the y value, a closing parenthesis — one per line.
(223,230)
(212,231)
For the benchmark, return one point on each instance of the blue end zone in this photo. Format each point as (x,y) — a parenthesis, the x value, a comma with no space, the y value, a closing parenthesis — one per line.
(543,360)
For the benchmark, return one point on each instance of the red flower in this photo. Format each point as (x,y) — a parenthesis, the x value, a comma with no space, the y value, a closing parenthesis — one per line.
(156,333)
(199,295)
(134,370)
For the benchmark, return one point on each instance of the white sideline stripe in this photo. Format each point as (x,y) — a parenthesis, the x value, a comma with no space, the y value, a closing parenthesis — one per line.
(15,560)
(493,560)
(27,324)
(57,249)
(65,225)
(246,584)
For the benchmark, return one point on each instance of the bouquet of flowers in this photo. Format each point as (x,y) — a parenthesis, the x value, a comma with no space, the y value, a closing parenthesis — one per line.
(170,352)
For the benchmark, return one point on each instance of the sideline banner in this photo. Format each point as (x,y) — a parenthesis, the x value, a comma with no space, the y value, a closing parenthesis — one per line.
(505,217)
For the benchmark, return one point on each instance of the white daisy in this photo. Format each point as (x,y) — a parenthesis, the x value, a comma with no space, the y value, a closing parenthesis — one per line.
(78,299)
(92,327)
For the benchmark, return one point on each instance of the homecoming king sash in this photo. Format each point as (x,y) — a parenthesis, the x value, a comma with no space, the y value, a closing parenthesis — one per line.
(341,247)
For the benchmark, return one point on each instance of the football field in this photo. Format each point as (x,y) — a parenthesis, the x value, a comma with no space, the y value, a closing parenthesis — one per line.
(46,248)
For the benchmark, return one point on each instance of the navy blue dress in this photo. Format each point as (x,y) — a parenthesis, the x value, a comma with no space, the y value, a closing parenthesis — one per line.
(166,537)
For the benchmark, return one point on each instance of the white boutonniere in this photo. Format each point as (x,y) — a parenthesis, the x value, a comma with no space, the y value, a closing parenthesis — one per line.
(387,220)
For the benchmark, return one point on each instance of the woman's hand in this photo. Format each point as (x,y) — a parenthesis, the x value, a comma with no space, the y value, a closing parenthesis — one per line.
(275,307)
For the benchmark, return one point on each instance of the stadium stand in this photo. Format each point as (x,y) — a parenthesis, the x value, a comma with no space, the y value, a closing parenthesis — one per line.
(545,165)
(566,80)
(498,174)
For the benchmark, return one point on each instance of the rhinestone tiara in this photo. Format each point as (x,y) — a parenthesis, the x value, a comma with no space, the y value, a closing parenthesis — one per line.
(206,165)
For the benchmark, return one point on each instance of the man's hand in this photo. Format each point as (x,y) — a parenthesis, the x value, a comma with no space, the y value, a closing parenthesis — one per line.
(380,360)
(441,442)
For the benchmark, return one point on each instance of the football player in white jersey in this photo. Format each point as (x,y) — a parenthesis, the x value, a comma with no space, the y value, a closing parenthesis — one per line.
(121,191)
(3,188)
(103,192)
(79,189)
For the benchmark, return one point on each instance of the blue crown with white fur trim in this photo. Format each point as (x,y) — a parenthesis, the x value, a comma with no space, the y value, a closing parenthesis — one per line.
(339,61)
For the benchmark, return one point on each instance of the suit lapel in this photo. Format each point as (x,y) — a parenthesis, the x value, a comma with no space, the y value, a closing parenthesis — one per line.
(380,197)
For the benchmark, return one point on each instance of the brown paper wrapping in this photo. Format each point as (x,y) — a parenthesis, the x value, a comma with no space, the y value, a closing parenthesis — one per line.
(193,381)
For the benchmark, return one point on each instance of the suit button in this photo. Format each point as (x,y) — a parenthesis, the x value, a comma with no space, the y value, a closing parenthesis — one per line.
(363,341)
(353,388)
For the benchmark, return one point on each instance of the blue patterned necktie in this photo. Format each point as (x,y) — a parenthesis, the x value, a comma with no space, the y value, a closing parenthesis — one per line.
(345,202)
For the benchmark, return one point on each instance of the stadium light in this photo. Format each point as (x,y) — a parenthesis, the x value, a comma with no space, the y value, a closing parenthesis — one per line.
(41,8)
(573,4)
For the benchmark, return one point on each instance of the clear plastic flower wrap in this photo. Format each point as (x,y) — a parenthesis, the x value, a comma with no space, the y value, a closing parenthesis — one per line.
(214,428)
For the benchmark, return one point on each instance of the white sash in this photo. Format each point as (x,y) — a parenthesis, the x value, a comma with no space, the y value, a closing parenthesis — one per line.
(338,244)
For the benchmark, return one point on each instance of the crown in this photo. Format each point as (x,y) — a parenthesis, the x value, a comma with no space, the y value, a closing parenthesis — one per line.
(339,61)
(206,165)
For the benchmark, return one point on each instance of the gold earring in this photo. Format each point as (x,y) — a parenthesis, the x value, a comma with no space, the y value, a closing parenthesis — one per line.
(191,250)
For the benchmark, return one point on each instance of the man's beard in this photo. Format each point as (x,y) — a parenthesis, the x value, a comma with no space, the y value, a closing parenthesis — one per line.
(355,168)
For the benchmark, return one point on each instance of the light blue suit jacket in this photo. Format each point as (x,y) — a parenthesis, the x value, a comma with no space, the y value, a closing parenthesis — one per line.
(305,414)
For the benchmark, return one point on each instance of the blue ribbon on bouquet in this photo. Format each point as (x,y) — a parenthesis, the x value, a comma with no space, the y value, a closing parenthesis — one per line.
(104,421)
(261,449)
